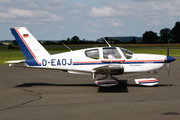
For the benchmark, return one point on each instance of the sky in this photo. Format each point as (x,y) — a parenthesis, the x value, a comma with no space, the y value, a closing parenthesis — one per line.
(89,20)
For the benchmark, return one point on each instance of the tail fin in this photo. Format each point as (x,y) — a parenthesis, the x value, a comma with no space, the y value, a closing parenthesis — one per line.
(30,47)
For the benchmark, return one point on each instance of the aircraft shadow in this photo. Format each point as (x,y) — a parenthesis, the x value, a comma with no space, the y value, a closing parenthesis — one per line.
(120,87)
(49,84)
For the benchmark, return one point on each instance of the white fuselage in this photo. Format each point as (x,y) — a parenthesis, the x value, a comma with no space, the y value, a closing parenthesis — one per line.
(78,61)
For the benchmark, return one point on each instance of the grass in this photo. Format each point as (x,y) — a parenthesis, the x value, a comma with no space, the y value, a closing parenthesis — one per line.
(8,55)
(172,52)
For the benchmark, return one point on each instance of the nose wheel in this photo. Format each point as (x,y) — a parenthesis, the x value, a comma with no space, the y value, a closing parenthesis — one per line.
(147,81)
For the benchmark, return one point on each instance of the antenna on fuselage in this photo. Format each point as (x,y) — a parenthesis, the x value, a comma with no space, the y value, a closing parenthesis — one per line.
(67,47)
(107,42)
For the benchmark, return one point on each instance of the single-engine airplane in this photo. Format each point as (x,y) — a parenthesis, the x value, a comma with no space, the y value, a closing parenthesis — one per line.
(107,61)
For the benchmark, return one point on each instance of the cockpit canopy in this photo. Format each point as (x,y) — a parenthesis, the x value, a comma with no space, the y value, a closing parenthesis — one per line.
(109,53)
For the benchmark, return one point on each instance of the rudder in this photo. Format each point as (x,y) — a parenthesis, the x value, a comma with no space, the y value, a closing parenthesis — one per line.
(30,47)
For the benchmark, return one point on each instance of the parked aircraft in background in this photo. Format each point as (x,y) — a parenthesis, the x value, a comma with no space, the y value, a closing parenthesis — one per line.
(107,61)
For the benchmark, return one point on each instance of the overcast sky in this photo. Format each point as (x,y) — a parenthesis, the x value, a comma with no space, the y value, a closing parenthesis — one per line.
(90,20)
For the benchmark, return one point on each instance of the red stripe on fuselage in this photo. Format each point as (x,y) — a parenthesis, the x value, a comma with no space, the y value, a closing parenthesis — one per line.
(88,62)
(142,60)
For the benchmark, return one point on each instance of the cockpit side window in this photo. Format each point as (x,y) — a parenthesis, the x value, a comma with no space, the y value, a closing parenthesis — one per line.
(128,54)
(111,53)
(92,53)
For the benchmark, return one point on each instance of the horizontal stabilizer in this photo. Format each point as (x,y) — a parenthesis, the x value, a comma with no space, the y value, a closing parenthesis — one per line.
(17,63)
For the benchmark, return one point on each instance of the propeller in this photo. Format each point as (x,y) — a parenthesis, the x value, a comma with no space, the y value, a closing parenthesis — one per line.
(168,64)
(169,59)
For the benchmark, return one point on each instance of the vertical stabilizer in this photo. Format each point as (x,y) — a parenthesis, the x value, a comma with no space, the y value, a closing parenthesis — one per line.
(30,47)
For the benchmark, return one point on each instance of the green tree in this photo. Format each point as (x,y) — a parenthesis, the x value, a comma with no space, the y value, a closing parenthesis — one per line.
(149,37)
(165,35)
(176,32)
(68,40)
(133,41)
(15,42)
(75,39)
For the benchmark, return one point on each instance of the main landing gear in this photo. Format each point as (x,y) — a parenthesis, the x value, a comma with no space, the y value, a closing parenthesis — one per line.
(107,81)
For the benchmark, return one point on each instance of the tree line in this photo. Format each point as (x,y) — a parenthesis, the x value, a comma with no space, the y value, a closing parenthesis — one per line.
(73,40)
(173,35)
(149,37)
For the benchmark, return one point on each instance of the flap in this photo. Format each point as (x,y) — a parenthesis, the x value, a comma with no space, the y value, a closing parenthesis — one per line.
(109,67)
(113,61)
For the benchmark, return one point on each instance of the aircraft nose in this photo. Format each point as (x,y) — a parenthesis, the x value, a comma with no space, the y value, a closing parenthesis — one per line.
(170,59)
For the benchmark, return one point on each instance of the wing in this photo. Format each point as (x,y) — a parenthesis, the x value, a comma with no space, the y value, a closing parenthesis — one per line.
(113,69)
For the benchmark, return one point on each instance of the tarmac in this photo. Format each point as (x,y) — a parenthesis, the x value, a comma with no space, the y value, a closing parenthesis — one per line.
(40,94)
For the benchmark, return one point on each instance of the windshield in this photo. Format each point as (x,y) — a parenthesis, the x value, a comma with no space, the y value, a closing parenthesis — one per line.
(111,53)
(128,54)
